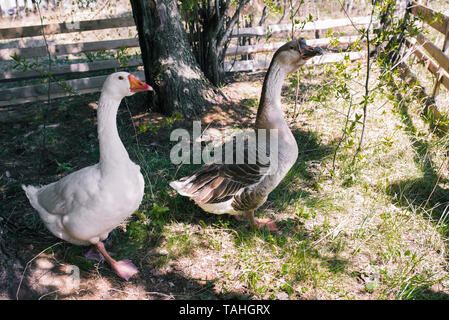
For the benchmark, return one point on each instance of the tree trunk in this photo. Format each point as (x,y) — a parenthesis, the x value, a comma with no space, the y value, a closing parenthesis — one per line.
(170,67)
(210,26)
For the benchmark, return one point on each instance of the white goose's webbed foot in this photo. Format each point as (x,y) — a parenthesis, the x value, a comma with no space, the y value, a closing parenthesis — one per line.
(124,268)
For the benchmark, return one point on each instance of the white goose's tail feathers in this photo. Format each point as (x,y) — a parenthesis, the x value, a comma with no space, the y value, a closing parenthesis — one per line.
(32,195)
(30,191)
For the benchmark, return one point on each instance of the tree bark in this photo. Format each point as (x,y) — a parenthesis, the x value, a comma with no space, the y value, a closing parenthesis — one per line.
(210,25)
(170,66)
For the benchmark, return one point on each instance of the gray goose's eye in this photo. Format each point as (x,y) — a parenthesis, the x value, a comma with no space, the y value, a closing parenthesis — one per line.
(120,77)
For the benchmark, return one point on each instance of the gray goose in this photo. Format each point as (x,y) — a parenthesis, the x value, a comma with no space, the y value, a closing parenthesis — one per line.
(239,189)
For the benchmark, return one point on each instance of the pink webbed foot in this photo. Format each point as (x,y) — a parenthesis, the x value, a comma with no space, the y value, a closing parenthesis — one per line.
(261,223)
(124,269)
(267,223)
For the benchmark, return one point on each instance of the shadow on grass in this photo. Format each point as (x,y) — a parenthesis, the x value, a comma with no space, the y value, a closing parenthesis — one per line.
(424,293)
(423,194)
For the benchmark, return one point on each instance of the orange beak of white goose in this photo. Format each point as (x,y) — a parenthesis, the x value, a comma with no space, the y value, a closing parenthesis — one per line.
(138,86)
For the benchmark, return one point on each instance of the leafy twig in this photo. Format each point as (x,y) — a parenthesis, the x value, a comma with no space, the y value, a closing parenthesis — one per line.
(367,91)
(44,119)
(342,137)
(34,66)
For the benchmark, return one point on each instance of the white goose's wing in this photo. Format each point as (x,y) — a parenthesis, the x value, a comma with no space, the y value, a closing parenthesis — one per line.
(71,192)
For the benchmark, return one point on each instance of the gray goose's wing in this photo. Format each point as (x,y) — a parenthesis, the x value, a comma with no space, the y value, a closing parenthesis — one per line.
(219,182)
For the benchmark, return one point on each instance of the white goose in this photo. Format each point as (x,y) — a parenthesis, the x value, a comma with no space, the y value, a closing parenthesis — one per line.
(83,207)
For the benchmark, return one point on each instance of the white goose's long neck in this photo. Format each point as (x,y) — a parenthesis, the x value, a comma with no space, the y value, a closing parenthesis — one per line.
(112,151)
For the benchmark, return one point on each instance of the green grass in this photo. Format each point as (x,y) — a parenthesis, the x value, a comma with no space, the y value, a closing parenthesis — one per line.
(375,228)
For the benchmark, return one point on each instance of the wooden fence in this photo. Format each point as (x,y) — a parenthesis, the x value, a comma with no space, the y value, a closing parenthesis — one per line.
(435,59)
(36,92)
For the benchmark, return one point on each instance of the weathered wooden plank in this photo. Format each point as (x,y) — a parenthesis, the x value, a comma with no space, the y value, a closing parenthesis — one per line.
(435,19)
(430,110)
(266,47)
(61,49)
(253,65)
(335,57)
(429,63)
(445,50)
(270,47)
(246,65)
(99,65)
(435,52)
(39,92)
(324,42)
(309,26)
(66,27)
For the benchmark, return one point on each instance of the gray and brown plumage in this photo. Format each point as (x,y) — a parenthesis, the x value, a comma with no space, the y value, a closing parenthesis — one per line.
(238,189)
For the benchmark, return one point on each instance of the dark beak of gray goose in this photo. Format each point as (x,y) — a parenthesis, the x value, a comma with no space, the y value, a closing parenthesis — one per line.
(306,51)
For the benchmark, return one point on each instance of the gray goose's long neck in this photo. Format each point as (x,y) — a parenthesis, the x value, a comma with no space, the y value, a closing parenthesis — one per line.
(112,151)
(270,116)
(269,113)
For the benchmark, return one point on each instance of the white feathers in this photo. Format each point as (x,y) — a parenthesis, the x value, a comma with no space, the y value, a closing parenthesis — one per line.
(86,205)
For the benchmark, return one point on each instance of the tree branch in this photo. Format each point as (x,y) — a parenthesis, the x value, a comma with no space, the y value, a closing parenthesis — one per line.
(230,26)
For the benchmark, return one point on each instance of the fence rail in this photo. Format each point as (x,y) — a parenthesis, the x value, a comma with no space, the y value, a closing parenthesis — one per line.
(74,68)
(433,18)
(246,65)
(435,60)
(271,47)
(40,92)
(66,27)
(71,48)
(308,26)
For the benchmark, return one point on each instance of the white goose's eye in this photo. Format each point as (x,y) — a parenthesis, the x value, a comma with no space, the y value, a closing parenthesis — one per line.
(120,77)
